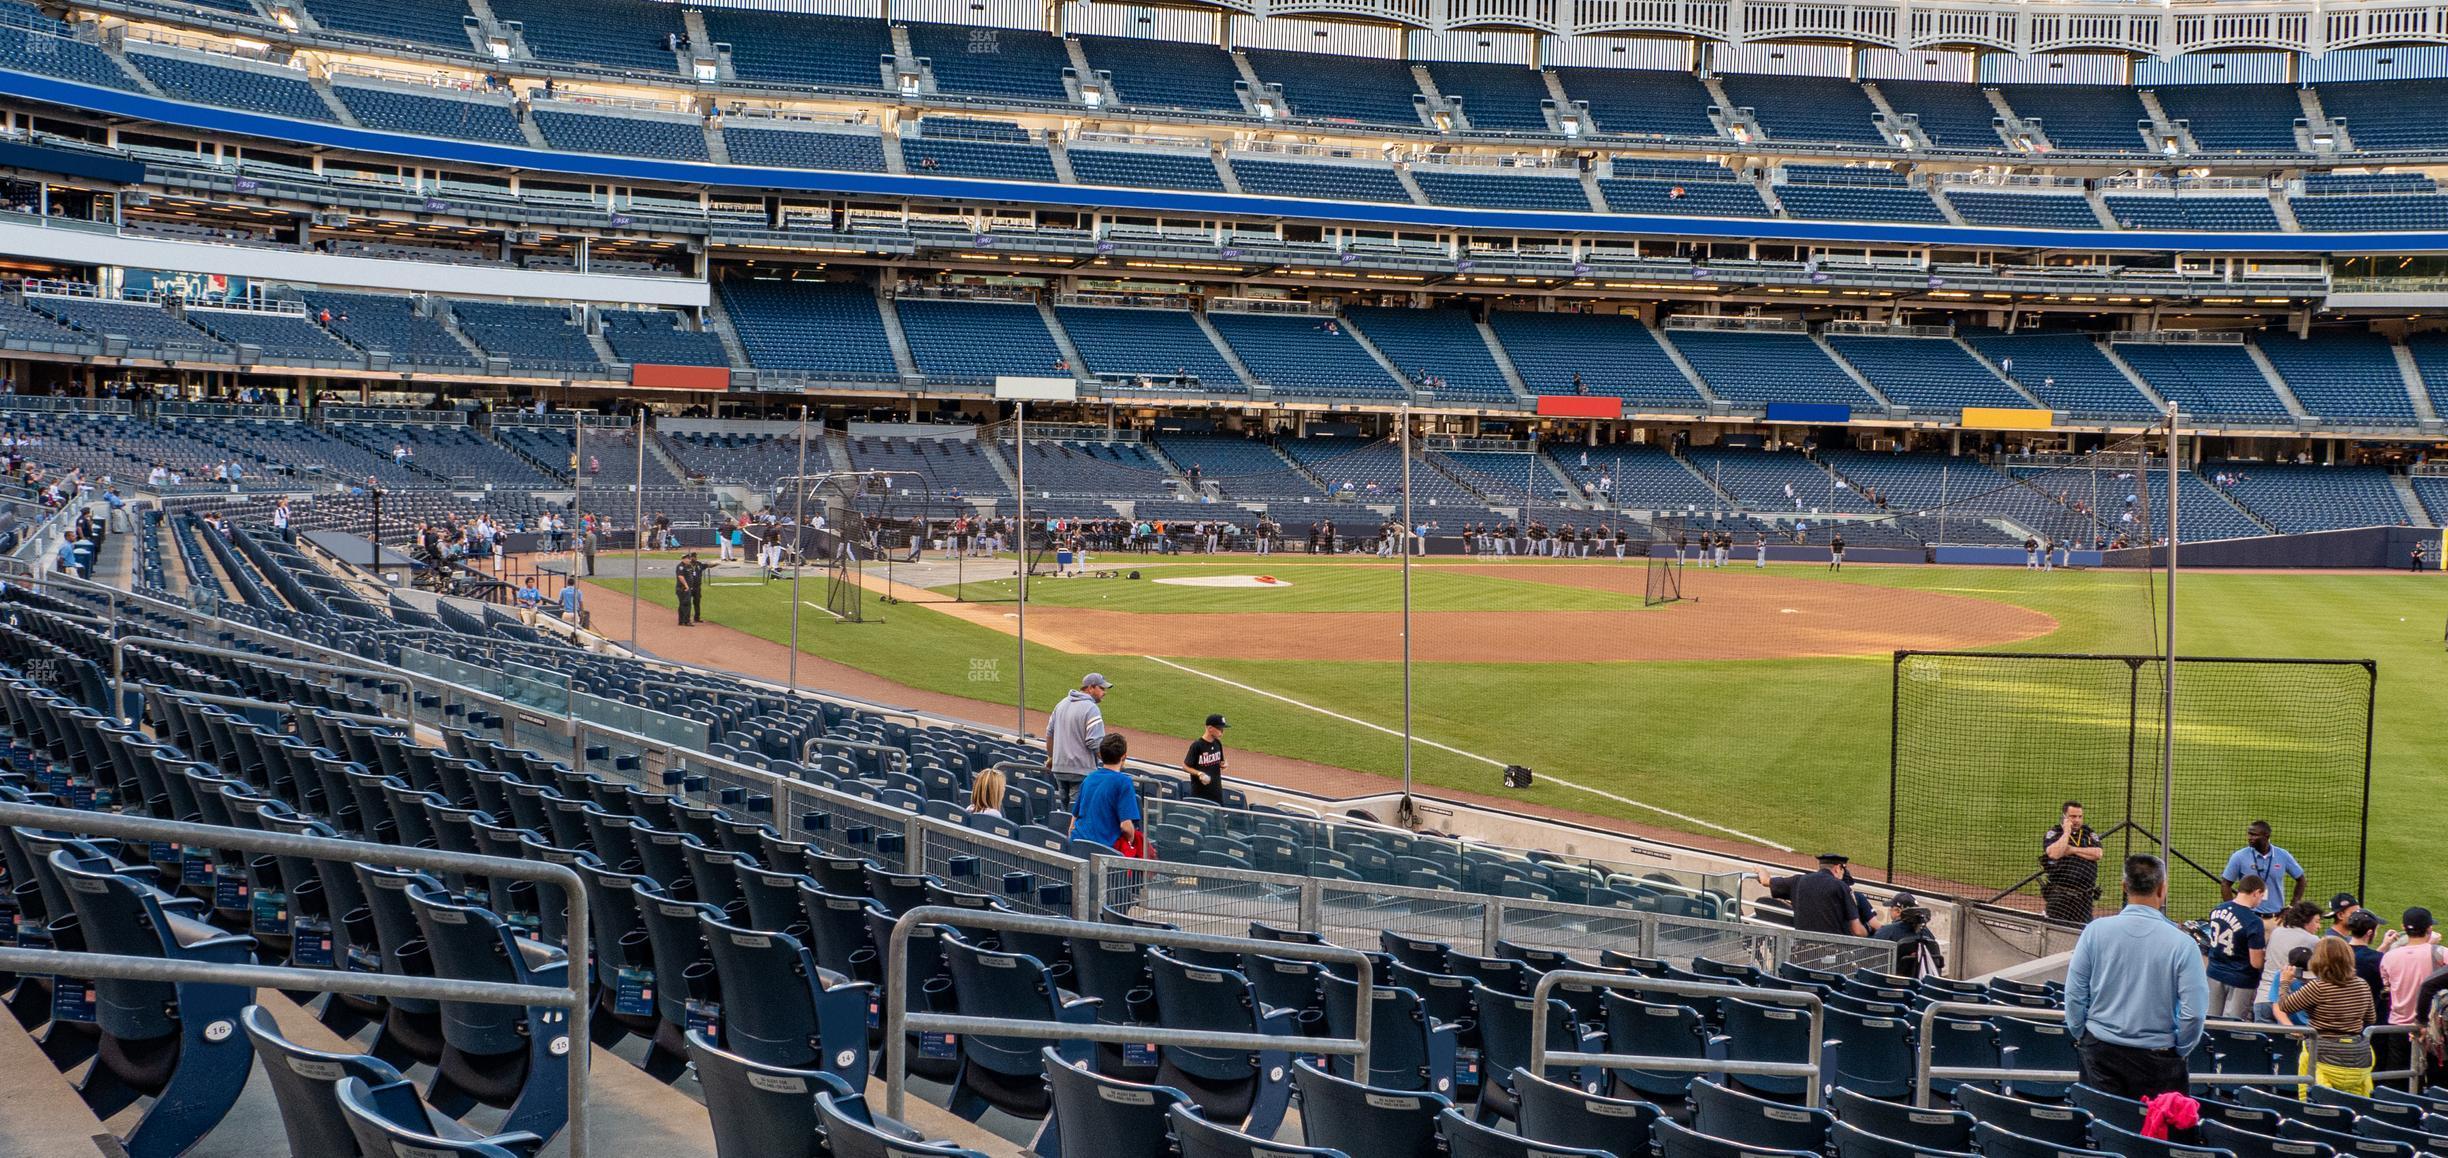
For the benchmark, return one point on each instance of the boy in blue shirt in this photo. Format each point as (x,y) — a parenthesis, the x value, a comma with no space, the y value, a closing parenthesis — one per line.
(1106,807)
(2238,939)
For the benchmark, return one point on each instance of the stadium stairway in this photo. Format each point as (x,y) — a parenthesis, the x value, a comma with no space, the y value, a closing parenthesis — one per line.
(1504,360)
(2406,368)
(1859,379)
(2415,511)
(1387,364)
(2277,383)
(1223,348)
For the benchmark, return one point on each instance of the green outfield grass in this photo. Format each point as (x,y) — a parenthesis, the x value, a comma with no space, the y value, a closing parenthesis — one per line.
(1793,751)
(1307,587)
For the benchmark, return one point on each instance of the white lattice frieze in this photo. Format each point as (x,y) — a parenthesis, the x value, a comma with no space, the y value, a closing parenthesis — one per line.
(1538,14)
(1698,19)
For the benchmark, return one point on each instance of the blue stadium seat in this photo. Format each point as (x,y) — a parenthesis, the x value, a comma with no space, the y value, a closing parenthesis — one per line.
(1850,1141)
(2235,118)
(659,336)
(974,342)
(851,1131)
(1145,169)
(1103,1116)
(780,1009)
(531,337)
(1608,354)
(1465,1138)
(1720,196)
(1807,108)
(1677,1141)
(2029,210)
(2193,211)
(1297,355)
(1007,63)
(510,1057)
(1007,1074)
(826,330)
(1366,1121)
(1328,180)
(389,1119)
(1324,87)
(628,37)
(1250,1089)
(1167,74)
(1642,103)
(2091,118)
(1201,1138)
(796,48)
(2207,381)
(1749,368)
(461,117)
(1498,189)
(758,1109)
(1936,1129)
(1496,98)
(1444,344)
(1952,115)
(1925,374)
(2347,376)
(304,1084)
(280,93)
(1723,1112)
(2045,1122)
(849,152)
(36,43)
(620,135)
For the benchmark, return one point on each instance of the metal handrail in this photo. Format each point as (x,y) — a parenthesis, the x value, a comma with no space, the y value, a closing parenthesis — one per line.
(576,999)
(1541,1058)
(899,1022)
(1925,1071)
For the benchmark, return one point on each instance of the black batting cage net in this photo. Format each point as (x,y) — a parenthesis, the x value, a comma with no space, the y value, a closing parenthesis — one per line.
(1989,746)
(1668,540)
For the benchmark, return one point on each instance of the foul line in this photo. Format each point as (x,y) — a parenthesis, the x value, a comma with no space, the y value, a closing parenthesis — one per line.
(820,607)
(1600,792)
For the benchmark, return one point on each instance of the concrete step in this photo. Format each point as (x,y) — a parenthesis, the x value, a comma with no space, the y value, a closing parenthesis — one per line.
(1225,349)
(2419,393)
(2278,383)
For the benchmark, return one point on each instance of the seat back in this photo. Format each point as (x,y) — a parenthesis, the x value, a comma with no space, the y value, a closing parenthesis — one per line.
(303,1081)
(1876,1057)
(1676,1141)
(2037,1045)
(1102,1117)
(390,1119)
(2132,1144)
(851,1132)
(1569,1116)
(2245,1142)
(768,993)
(1195,997)
(119,916)
(1724,1112)
(837,930)
(1398,1045)
(760,1111)
(1468,1139)
(987,983)
(1651,1029)
(1505,1022)
(1994,1141)
(466,943)
(1852,1141)
(2106,1108)
(1928,1129)
(2347,1145)
(1365,1120)
(1760,1032)
(1200,1138)
(2063,1125)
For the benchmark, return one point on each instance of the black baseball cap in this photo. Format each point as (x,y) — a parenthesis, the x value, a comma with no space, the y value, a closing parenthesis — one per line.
(1216,720)
(2417,921)
(2344,901)
(1903,901)
(1834,858)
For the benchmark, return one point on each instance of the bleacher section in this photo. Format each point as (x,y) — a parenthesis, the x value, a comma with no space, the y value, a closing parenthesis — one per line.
(1854,195)
(973,342)
(277,335)
(1642,103)
(1167,74)
(1160,344)
(1707,192)
(1616,356)
(1643,477)
(2088,117)
(660,336)
(1754,369)
(756,460)
(2296,499)
(1341,88)
(442,23)
(956,153)
(2193,211)
(1929,375)
(2389,114)
(303,452)
(1145,169)
(621,135)
(1329,180)
(801,49)
(2235,118)
(1122,470)
(391,325)
(852,152)
(1442,344)
(1303,355)
(627,36)
(949,464)
(816,329)
(455,452)
(2350,213)
(1242,468)
(22,324)
(533,337)
(1373,472)
(253,89)
(1004,63)
(471,118)
(2066,371)
(1807,108)
(2204,513)
(2342,377)
(2069,210)
(143,324)
(1496,98)
(1952,116)
(36,43)
(2204,380)
(1500,189)
(1760,480)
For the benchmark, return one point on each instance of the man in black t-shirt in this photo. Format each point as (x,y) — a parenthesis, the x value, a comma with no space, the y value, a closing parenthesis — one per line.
(1205,762)
(2069,859)
(1822,902)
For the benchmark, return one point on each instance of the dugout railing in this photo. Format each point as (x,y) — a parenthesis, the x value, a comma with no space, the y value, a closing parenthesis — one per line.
(1926,1071)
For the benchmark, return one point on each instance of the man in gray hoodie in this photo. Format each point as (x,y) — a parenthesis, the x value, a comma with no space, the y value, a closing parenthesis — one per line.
(1073,731)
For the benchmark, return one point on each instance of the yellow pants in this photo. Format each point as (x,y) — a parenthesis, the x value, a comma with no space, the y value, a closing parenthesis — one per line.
(2345,1079)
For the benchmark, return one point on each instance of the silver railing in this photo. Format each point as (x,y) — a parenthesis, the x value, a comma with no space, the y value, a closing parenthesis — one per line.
(899,1022)
(1541,1056)
(575,999)
(1926,1071)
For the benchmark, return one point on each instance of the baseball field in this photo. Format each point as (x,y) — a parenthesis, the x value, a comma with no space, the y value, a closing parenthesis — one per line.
(1756,709)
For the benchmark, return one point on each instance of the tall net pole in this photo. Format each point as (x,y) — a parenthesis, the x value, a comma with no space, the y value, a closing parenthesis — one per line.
(637,531)
(1408,809)
(1020,483)
(2167,680)
(799,542)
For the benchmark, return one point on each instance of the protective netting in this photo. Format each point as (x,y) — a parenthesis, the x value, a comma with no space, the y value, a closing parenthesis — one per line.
(1668,540)
(1989,746)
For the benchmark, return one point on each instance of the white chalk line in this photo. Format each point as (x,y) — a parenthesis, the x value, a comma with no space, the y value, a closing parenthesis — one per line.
(821,607)
(1417,739)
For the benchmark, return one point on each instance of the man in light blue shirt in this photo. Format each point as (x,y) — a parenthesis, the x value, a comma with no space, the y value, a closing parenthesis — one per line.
(2274,865)
(2136,995)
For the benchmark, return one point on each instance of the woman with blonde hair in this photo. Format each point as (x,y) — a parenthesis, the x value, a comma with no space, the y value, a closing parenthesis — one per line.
(2339,1006)
(986,793)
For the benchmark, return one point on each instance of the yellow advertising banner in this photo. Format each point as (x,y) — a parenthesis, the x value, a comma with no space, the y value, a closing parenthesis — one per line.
(2002,418)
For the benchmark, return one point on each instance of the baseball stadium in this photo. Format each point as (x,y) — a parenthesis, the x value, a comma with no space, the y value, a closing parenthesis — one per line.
(1223,578)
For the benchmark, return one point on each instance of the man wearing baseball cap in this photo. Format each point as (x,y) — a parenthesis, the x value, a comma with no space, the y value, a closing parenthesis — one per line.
(1073,730)
(2342,909)
(1822,902)
(1205,762)
(2404,968)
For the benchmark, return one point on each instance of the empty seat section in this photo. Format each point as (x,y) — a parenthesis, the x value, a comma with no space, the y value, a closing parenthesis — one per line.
(1319,86)
(619,35)
(2206,381)
(849,152)
(532,337)
(1496,189)
(1496,98)
(1323,180)
(2033,210)
(1681,188)
(442,23)
(1644,477)
(1642,102)
(1374,470)
(1952,115)
(1006,63)
(660,336)
(278,335)
(2351,213)
(36,43)
(2193,212)
(1807,108)
(1082,469)
(2235,118)
(260,90)
(1157,343)
(1610,355)
(1849,202)
(2342,376)
(25,325)
(956,341)
(141,323)
(2296,499)
(960,147)
(2390,114)
(1166,74)
(470,119)
(2066,371)
(1441,344)
(1305,355)
(2091,118)
(1761,479)
(816,329)
(949,464)
(1754,369)
(621,135)
(1243,468)
(1931,374)
(793,48)
(389,324)
(1145,169)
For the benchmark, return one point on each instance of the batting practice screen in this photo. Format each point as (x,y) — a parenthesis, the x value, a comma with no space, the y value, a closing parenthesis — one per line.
(1665,562)
(1987,747)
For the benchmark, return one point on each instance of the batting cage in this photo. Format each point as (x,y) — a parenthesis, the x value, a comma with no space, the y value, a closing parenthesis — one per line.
(1668,540)
(1987,747)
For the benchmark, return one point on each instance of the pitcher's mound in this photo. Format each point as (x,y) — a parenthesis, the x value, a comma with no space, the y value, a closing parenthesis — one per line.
(1227,581)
